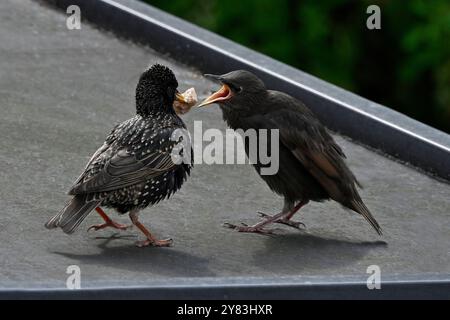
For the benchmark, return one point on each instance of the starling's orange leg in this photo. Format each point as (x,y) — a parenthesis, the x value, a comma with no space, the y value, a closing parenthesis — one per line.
(151,240)
(108,222)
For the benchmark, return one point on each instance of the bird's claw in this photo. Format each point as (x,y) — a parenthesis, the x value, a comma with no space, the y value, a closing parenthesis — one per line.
(287,222)
(154,243)
(229,225)
(112,224)
(293,224)
(264,215)
(249,229)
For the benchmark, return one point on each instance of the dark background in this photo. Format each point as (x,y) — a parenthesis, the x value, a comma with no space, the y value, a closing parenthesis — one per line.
(405,65)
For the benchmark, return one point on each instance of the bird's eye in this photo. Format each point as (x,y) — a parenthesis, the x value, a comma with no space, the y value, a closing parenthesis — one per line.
(170,92)
(234,88)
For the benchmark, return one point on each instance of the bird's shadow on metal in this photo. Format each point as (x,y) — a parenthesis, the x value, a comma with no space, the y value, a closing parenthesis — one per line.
(152,260)
(303,252)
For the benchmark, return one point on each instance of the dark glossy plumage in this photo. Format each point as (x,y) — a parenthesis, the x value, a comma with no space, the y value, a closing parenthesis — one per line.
(312,165)
(133,168)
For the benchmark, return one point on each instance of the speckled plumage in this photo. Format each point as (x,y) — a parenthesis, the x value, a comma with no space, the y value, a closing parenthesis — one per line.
(147,139)
(133,168)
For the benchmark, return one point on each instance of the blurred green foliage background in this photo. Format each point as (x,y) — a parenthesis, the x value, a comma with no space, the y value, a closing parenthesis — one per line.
(405,65)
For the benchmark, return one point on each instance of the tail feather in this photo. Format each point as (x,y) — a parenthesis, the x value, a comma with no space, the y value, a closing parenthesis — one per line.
(361,208)
(75,211)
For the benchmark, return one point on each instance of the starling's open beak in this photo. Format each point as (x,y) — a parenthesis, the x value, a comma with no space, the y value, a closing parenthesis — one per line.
(224,93)
(180,97)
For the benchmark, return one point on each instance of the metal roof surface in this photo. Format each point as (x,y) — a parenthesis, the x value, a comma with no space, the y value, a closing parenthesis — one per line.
(63,90)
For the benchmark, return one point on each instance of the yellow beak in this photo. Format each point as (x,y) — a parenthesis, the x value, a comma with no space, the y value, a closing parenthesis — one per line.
(180,97)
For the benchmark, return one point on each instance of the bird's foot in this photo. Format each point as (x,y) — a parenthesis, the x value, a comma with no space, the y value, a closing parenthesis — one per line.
(287,222)
(109,224)
(154,243)
(249,229)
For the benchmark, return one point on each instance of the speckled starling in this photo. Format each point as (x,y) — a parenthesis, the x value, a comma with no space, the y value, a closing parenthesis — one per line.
(133,168)
(311,164)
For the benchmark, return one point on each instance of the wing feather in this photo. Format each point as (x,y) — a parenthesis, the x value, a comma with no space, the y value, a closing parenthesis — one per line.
(120,166)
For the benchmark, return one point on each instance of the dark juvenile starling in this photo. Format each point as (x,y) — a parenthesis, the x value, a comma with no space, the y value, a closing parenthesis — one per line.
(311,164)
(133,168)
